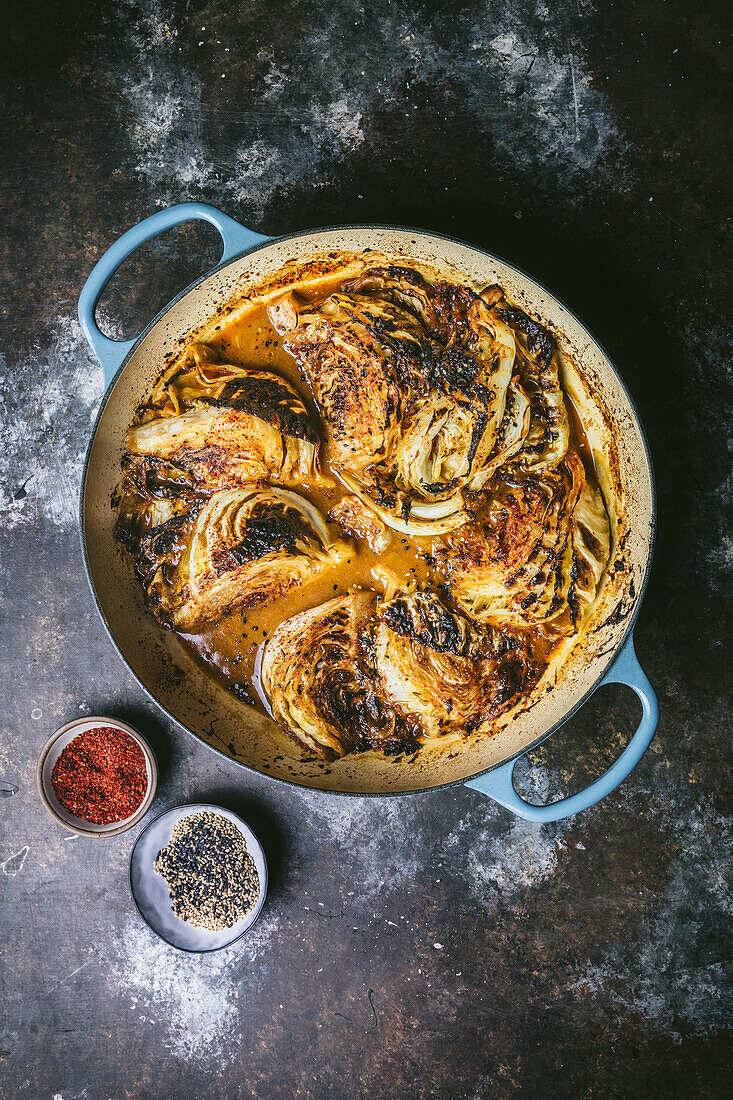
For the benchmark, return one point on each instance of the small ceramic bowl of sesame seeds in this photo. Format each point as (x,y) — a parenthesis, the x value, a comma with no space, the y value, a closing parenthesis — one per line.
(198,876)
(97,776)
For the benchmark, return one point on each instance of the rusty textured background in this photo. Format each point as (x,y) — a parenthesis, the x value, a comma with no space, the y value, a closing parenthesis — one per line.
(430,946)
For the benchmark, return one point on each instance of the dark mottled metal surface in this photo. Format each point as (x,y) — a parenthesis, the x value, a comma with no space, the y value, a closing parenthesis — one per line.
(427,946)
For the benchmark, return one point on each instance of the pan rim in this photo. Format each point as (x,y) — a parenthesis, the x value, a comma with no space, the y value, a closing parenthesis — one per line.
(638,599)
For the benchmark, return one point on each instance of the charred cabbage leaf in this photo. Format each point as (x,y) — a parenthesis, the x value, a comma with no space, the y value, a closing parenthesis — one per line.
(412,381)
(246,546)
(427,389)
(538,372)
(536,554)
(359,672)
(226,425)
(318,676)
(438,669)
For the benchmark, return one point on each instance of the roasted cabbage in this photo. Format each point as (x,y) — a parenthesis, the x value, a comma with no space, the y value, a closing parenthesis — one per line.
(246,546)
(226,425)
(361,672)
(440,670)
(439,413)
(318,676)
(536,553)
(412,381)
(427,389)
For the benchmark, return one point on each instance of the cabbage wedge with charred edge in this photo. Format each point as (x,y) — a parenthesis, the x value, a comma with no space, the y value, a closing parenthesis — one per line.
(536,553)
(359,672)
(412,380)
(318,676)
(427,389)
(442,671)
(226,425)
(246,546)
(538,372)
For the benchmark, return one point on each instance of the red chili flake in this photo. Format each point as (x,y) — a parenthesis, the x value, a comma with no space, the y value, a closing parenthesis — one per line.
(101,775)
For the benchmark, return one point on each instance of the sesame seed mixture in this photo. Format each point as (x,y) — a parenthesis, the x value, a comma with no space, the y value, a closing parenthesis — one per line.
(212,878)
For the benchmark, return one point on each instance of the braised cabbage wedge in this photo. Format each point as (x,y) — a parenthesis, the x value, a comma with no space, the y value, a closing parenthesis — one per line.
(412,380)
(227,425)
(536,553)
(444,672)
(317,673)
(245,547)
(362,672)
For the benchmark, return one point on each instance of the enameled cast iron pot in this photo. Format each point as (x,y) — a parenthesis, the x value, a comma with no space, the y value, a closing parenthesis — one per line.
(164,668)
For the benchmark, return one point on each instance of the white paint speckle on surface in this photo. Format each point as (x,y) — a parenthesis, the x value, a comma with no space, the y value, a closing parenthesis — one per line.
(374,833)
(526,855)
(165,128)
(652,975)
(539,108)
(47,426)
(567,124)
(721,557)
(257,176)
(501,857)
(162,109)
(196,996)
(13,865)
(336,126)
(275,78)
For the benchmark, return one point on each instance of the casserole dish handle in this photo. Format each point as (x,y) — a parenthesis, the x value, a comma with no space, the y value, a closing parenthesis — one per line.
(112,353)
(499,785)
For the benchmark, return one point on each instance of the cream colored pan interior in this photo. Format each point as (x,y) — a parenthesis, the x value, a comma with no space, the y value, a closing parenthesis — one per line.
(202,705)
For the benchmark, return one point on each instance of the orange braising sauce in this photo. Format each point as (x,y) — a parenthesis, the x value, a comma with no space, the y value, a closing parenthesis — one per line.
(231,648)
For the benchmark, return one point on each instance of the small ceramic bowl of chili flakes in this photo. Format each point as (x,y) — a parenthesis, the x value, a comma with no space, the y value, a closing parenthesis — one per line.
(97,776)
